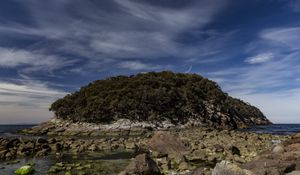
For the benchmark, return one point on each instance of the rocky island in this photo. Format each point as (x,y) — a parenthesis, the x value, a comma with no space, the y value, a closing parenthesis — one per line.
(170,123)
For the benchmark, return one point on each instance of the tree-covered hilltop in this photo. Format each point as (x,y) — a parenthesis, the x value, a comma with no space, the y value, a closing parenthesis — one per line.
(156,97)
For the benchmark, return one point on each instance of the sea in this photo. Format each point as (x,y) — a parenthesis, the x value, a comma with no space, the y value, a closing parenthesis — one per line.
(276,129)
(11,130)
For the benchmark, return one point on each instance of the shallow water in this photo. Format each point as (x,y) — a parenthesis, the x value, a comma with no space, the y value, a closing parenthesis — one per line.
(100,163)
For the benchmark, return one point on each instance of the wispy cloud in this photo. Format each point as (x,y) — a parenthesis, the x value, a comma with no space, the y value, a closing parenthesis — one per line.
(32,60)
(272,85)
(27,99)
(260,58)
(137,65)
(135,29)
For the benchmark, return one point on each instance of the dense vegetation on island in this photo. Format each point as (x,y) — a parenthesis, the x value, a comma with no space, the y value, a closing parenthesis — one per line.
(155,97)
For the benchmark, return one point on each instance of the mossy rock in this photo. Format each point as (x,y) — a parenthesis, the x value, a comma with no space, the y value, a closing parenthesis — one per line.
(25,170)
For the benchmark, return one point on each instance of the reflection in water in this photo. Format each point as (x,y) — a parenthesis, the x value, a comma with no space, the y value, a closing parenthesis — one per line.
(98,163)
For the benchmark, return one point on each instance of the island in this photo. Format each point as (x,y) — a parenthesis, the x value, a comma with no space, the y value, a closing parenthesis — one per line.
(169,123)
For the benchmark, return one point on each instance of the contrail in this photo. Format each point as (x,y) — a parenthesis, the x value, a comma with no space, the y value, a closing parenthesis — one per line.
(190,69)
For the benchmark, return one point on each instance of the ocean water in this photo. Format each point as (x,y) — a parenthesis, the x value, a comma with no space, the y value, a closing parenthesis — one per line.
(8,130)
(278,129)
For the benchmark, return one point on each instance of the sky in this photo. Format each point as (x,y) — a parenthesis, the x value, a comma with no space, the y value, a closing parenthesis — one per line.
(50,48)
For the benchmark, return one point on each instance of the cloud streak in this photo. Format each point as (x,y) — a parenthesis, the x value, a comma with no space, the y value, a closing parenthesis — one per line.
(260,58)
(271,81)
(26,101)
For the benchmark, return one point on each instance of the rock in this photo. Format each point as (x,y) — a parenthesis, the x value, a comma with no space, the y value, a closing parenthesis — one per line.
(25,170)
(43,152)
(41,141)
(166,143)
(218,148)
(272,165)
(293,147)
(198,171)
(294,173)
(227,168)
(12,143)
(142,164)
(278,149)
(184,166)
(234,150)
(68,173)
(296,136)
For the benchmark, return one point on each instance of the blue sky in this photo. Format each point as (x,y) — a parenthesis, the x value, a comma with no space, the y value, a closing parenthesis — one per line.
(50,48)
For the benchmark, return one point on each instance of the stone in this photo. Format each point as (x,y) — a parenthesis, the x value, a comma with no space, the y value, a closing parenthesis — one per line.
(167,143)
(142,164)
(218,148)
(184,166)
(272,166)
(228,168)
(43,152)
(25,170)
(278,149)
(296,136)
(234,150)
(41,140)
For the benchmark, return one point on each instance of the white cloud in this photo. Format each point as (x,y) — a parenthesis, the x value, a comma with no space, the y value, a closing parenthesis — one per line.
(29,88)
(12,58)
(280,107)
(137,65)
(135,29)
(27,101)
(285,36)
(274,85)
(260,58)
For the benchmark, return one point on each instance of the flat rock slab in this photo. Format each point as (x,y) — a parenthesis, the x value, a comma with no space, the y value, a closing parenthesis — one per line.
(167,143)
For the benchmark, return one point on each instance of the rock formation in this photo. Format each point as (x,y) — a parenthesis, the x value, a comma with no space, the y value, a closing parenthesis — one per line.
(172,99)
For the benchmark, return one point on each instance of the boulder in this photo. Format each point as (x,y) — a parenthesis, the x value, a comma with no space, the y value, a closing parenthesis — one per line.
(296,136)
(278,149)
(271,165)
(25,170)
(228,168)
(143,165)
(234,150)
(166,143)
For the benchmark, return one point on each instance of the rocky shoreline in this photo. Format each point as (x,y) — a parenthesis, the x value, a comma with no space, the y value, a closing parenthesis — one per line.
(178,150)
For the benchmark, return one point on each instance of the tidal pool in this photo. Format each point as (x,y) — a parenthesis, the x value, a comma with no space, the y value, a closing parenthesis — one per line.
(100,163)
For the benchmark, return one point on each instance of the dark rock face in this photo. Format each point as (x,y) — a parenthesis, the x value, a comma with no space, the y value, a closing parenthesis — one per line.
(181,99)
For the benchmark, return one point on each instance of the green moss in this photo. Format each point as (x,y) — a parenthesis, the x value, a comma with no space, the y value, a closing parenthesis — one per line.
(25,170)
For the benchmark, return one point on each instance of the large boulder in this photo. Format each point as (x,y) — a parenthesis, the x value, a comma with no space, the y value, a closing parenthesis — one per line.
(271,165)
(142,165)
(228,168)
(165,143)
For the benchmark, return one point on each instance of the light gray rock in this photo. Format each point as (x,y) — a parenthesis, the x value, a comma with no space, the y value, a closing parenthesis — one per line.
(228,168)
(278,149)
